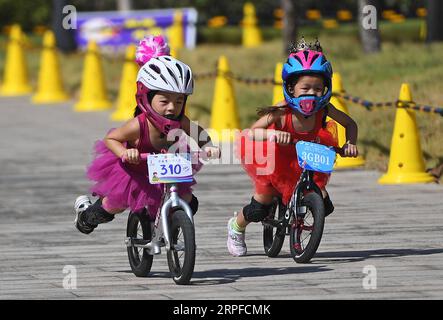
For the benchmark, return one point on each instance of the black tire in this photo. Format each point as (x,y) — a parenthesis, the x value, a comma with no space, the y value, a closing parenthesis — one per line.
(139,228)
(272,237)
(181,257)
(303,250)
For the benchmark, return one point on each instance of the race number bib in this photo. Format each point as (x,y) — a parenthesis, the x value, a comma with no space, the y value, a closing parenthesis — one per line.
(169,168)
(316,157)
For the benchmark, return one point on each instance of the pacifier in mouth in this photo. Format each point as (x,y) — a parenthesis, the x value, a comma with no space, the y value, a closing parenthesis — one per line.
(308,103)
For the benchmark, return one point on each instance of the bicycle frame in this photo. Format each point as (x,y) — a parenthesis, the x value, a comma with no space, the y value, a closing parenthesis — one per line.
(305,183)
(160,232)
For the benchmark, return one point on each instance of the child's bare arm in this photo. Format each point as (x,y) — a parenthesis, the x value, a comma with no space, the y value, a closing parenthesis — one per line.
(203,139)
(259,131)
(350,127)
(114,140)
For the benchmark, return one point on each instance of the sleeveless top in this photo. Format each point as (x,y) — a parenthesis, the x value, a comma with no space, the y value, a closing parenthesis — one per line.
(276,165)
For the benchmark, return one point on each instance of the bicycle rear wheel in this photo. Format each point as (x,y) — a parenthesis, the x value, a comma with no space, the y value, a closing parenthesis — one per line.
(306,232)
(181,256)
(274,237)
(139,228)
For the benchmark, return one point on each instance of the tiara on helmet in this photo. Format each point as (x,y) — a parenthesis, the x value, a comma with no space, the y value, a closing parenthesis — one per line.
(302,45)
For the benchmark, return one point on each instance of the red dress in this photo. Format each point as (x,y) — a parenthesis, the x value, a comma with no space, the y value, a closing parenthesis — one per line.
(273,167)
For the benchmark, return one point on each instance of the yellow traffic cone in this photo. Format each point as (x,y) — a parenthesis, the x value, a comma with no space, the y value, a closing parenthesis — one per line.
(251,36)
(224,117)
(173,52)
(15,80)
(406,163)
(342,162)
(128,88)
(50,83)
(278,85)
(93,95)
(175,32)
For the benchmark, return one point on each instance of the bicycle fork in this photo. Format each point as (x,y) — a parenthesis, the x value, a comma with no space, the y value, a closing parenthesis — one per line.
(174,201)
(160,229)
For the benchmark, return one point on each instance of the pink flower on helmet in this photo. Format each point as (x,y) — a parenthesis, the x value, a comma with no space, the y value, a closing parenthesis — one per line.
(151,47)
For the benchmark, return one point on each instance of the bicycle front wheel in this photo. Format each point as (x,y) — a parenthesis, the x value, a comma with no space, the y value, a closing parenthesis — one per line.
(181,256)
(306,232)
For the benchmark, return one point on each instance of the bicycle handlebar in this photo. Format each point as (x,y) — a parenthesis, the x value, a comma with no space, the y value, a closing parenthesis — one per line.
(339,150)
(144,156)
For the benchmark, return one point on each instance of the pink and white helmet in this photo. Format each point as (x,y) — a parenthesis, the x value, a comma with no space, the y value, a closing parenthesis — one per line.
(160,72)
(166,73)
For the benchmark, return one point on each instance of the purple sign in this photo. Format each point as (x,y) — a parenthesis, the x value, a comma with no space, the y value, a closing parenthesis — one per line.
(115,30)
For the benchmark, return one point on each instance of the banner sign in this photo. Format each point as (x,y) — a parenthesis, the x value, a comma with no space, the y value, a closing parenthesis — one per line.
(115,30)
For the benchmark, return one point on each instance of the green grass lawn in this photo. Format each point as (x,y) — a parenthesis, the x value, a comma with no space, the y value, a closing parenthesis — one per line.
(378,77)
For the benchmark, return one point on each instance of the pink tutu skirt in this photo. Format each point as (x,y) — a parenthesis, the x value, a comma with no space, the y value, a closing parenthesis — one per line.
(126,185)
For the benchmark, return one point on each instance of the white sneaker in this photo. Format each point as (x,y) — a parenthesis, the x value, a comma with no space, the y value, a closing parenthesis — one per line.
(236,241)
(80,205)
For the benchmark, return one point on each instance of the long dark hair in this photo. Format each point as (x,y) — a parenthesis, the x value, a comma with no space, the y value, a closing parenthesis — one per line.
(263,111)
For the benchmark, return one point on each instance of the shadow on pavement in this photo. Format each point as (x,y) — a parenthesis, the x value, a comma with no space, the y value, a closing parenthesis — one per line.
(361,255)
(221,276)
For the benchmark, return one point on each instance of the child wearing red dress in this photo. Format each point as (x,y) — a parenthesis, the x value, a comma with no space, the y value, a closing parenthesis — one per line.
(266,150)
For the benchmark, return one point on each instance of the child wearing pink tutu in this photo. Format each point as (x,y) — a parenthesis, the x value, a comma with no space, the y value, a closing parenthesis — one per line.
(121,179)
(267,152)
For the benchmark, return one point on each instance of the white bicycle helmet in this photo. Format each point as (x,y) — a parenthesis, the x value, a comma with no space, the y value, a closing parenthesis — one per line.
(163,73)
(166,73)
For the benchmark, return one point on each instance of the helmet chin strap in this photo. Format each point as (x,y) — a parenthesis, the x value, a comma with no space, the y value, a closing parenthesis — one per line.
(161,123)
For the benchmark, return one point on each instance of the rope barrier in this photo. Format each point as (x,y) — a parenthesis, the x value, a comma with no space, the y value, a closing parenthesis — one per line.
(398,104)
(260,81)
(365,103)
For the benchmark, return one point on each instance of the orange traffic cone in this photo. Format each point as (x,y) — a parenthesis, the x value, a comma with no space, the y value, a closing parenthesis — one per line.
(406,163)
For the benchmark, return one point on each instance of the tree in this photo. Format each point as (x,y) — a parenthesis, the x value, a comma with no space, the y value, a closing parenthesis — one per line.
(434,20)
(369,33)
(289,23)
(124,5)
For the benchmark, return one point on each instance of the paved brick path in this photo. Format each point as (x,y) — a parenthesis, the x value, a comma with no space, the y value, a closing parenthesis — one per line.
(44,151)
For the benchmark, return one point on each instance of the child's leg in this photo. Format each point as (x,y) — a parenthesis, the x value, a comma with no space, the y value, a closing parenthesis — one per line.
(110,209)
(322,179)
(192,201)
(256,211)
(329,207)
(89,216)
